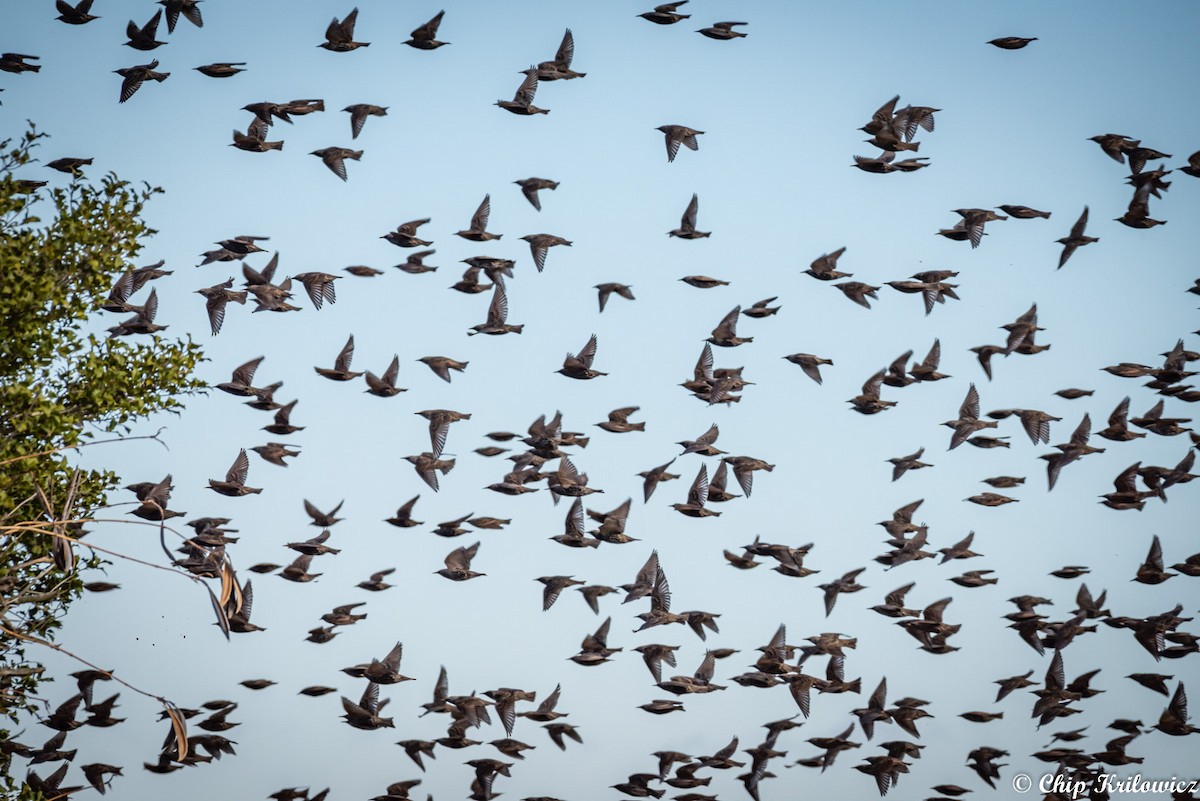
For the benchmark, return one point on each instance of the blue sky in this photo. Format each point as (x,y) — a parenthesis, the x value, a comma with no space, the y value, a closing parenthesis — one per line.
(780,110)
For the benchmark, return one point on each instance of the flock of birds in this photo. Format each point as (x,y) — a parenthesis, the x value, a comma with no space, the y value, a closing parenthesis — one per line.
(547,462)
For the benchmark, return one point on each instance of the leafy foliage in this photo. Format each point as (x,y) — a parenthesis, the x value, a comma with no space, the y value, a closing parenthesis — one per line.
(61,385)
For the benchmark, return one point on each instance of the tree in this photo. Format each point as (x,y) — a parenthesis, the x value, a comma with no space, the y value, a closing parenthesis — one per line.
(61,386)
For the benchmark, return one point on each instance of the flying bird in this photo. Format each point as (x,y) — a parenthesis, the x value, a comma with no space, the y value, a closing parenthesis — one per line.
(1076,239)
(135,76)
(335,158)
(339,36)
(677,135)
(425,37)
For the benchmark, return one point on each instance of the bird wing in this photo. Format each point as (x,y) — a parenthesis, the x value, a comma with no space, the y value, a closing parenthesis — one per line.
(588,353)
(745,478)
(342,363)
(709,436)
(240,469)
(899,365)
(871,387)
(660,595)
(1082,432)
(428,31)
(527,89)
(392,660)
(1155,557)
(573,527)
(970,405)
(498,310)
(566,51)
(704,365)
(552,699)
(727,328)
(479,220)
(698,494)
(1080,224)
(688,223)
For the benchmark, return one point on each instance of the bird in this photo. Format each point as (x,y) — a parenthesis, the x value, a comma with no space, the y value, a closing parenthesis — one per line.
(1075,239)
(425,37)
(522,102)
(414,263)
(358,116)
(458,564)
(365,714)
(847,583)
(703,281)
(687,225)
(385,386)
(322,519)
(604,291)
(1115,146)
(19,62)
(255,139)
(560,68)
(1024,212)
(234,484)
(405,235)
(540,244)
(275,452)
(78,14)
(442,365)
(341,366)
(869,401)
(1011,42)
(143,38)
(666,14)
(722,31)
(221,69)
(553,587)
(579,366)
(725,334)
(335,158)
(380,671)
(858,292)
(618,421)
(188,8)
(282,423)
(134,77)
(427,465)
(339,36)
(810,364)
(677,135)
(477,232)
(968,422)
(1173,720)
(497,319)
(902,464)
(319,287)
(697,498)
(216,298)
(403,517)
(531,186)
(1151,571)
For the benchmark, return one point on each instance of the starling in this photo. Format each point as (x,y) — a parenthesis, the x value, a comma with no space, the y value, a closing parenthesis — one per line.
(339,36)
(221,69)
(677,135)
(335,158)
(425,37)
(135,76)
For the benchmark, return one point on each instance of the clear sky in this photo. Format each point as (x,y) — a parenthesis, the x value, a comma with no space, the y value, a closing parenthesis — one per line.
(779,110)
